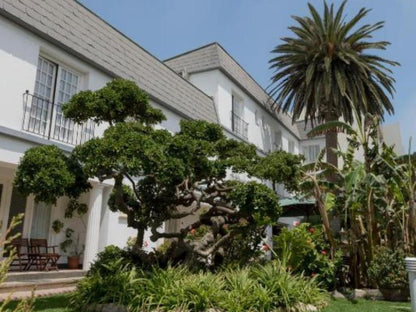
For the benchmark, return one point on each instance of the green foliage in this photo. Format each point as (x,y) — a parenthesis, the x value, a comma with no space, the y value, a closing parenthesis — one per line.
(57,226)
(70,245)
(326,67)
(118,285)
(104,259)
(75,207)
(263,288)
(167,174)
(47,173)
(257,201)
(306,251)
(5,247)
(280,166)
(117,101)
(127,196)
(375,199)
(388,269)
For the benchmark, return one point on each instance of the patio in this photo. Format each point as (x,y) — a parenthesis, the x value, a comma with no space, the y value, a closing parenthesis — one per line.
(21,284)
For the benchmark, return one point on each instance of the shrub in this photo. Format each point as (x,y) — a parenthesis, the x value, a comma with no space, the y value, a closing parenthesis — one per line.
(106,258)
(388,269)
(113,282)
(5,247)
(307,252)
(261,288)
(286,289)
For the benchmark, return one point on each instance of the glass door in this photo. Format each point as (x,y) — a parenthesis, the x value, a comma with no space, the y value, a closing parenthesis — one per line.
(67,86)
(42,101)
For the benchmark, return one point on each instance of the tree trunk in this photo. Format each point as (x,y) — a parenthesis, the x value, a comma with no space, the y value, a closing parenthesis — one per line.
(325,221)
(370,227)
(331,142)
(139,239)
(412,225)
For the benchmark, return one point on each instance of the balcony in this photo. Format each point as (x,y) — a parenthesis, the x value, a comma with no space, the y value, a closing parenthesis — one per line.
(239,126)
(46,119)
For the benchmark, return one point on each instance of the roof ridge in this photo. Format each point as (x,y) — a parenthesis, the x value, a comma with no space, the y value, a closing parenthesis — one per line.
(138,45)
(91,39)
(192,51)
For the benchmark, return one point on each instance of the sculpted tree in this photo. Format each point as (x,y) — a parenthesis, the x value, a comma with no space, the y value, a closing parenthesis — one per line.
(280,167)
(157,176)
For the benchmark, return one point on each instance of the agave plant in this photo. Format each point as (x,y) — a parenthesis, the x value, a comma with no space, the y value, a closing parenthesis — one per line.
(326,69)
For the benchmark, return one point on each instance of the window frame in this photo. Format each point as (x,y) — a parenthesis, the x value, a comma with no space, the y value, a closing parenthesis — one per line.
(51,123)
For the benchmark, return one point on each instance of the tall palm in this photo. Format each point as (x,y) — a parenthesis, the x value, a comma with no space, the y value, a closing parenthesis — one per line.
(326,68)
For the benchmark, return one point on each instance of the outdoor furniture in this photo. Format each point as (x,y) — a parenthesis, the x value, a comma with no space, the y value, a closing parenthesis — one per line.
(21,245)
(43,256)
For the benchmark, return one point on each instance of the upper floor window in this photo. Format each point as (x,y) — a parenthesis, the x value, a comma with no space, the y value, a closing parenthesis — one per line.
(277,140)
(55,85)
(311,152)
(238,125)
(291,147)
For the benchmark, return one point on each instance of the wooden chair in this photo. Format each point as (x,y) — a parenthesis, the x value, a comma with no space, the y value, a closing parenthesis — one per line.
(21,245)
(43,256)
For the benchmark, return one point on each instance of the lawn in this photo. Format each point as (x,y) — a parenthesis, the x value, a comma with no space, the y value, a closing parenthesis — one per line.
(341,305)
(60,304)
(51,304)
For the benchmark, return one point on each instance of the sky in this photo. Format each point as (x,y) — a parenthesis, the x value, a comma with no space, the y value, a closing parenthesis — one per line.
(250,29)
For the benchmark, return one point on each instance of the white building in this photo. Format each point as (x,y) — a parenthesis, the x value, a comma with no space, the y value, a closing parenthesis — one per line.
(49,50)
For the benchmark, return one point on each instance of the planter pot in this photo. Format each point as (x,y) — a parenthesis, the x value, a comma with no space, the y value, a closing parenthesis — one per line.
(397,294)
(73,262)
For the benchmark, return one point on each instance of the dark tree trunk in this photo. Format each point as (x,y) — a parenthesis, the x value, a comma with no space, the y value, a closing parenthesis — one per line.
(331,142)
(412,225)
(139,239)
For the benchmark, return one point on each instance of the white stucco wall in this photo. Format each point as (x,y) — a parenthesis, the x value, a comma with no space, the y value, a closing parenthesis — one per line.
(261,125)
(19,52)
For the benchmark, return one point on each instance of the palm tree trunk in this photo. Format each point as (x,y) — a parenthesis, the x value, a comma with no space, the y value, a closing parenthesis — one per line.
(331,141)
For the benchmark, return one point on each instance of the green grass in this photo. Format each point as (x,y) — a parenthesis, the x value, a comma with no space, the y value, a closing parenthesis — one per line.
(60,304)
(50,304)
(342,305)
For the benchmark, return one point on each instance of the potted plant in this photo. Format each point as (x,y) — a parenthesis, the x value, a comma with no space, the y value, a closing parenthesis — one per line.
(70,245)
(388,271)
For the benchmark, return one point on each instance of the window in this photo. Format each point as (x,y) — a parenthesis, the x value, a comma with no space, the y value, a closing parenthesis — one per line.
(257,118)
(55,85)
(311,152)
(291,147)
(277,140)
(238,125)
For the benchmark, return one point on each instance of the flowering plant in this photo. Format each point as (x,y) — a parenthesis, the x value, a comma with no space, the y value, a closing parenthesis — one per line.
(307,252)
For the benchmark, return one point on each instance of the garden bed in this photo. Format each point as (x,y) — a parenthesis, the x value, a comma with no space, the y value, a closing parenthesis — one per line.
(60,304)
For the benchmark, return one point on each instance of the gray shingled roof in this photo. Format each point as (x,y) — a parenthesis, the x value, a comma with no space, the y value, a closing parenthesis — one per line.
(73,27)
(214,56)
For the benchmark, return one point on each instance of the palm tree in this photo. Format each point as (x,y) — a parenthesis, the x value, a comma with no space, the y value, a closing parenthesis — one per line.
(326,68)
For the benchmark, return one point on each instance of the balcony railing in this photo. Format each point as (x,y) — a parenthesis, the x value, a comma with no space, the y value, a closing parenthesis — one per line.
(46,119)
(239,126)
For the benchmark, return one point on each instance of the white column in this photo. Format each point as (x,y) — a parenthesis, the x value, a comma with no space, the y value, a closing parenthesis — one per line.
(93,226)
(6,197)
(411,269)
(5,205)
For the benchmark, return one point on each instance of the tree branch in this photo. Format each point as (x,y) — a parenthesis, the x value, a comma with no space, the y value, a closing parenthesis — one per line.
(213,248)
